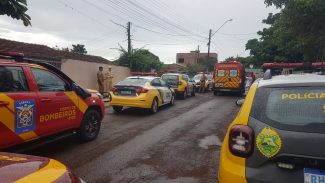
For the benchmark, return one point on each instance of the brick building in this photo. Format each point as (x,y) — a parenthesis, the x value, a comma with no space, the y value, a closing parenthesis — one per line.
(191,58)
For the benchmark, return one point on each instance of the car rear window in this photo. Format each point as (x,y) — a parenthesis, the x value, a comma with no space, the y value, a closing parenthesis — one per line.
(294,108)
(133,82)
(170,79)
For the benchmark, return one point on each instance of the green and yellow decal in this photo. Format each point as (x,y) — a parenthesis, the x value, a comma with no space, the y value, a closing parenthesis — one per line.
(268,142)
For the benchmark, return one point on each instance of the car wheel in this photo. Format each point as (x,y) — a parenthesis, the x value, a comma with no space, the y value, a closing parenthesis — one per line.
(193,92)
(90,125)
(172,100)
(184,95)
(118,109)
(154,106)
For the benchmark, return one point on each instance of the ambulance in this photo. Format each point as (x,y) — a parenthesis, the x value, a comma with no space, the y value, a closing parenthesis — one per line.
(38,100)
(229,77)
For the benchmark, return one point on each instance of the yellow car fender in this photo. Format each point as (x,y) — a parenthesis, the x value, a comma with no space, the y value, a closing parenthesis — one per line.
(229,162)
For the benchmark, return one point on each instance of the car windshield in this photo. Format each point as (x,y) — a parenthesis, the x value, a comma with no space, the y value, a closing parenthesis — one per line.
(197,77)
(295,106)
(133,82)
(170,79)
(210,77)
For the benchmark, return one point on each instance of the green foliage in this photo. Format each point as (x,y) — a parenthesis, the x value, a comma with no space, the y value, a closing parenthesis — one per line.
(246,61)
(15,9)
(297,33)
(139,60)
(79,48)
(203,65)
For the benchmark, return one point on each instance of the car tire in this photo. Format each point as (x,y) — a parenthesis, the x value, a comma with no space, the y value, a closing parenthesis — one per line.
(118,109)
(154,106)
(184,95)
(216,93)
(193,92)
(90,126)
(172,100)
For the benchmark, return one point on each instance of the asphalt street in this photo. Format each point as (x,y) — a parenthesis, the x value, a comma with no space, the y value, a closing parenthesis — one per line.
(178,144)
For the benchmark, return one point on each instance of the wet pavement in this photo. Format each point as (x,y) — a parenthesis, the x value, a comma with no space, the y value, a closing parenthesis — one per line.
(178,144)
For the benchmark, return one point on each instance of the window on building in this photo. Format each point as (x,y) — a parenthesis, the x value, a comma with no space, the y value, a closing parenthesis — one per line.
(181,61)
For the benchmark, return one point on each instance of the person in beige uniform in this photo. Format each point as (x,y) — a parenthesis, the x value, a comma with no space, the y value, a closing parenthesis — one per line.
(108,80)
(100,80)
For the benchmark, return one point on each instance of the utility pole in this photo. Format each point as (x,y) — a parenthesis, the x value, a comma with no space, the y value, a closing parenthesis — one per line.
(197,54)
(209,43)
(129,37)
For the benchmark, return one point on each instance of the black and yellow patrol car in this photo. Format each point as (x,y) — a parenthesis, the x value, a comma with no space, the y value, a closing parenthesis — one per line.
(279,133)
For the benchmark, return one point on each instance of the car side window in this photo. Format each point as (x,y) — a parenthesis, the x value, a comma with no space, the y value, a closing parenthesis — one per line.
(47,81)
(12,79)
(155,82)
(163,83)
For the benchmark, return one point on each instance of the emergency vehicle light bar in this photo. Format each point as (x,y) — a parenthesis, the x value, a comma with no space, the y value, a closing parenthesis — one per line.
(314,65)
(144,73)
(12,54)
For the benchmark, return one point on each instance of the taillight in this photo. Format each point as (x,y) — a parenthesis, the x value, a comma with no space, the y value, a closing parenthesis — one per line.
(114,89)
(241,141)
(141,90)
(180,83)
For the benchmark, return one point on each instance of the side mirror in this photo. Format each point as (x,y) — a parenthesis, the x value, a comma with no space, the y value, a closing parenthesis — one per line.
(240,102)
(80,91)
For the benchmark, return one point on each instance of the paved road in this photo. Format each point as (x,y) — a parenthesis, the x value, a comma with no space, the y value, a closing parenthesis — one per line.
(179,144)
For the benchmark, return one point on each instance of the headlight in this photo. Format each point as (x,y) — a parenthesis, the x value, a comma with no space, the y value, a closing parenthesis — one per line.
(100,95)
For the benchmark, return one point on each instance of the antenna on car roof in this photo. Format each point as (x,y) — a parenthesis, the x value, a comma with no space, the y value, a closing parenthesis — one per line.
(267,74)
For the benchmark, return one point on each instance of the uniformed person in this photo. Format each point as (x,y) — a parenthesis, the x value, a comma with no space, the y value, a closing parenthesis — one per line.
(108,80)
(203,81)
(100,80)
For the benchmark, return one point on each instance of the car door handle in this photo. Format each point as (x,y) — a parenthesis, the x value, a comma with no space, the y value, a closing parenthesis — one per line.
(3,104)
(45,100)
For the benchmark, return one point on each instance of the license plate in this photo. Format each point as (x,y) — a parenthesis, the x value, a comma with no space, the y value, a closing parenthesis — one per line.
(126,92)
(221,84)
(314,175)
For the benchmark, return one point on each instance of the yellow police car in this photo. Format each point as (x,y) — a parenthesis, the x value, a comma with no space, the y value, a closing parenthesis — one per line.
(279,133)
(141,92)
(180,83)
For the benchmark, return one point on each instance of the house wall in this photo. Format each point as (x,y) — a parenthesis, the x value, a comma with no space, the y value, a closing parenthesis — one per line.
(190,58)
(85,73)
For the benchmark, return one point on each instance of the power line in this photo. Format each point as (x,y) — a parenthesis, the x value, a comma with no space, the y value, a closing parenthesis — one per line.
(125,9)
(162,19)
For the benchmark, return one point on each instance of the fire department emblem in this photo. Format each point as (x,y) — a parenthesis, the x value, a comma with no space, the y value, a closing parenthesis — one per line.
(268,142)
(24,112)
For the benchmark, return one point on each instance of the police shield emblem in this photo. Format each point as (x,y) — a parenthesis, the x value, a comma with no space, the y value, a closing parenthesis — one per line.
(24,116)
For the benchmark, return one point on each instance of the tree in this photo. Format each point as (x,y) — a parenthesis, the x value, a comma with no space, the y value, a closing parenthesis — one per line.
(297,33)
(139,60)
(15,9)
(79,48)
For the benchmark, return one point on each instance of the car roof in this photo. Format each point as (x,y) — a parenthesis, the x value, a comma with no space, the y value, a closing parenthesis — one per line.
(173,74)
(150,78)
(303,79)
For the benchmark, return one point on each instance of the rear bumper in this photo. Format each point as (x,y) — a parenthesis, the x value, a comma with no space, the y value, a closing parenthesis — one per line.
(228,89)
(141,101)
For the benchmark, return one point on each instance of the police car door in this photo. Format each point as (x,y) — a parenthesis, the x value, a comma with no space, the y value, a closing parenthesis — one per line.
(58,106)
(18,107)
(167,92)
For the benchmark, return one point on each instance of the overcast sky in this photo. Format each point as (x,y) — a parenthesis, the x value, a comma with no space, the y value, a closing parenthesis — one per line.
(165,27)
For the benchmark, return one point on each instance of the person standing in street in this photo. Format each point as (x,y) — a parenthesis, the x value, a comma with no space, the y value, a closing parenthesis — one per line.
(108,80)
(203,81)
(100,80)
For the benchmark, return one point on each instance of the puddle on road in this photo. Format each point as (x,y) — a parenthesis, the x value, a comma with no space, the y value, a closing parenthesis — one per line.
(210,141)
